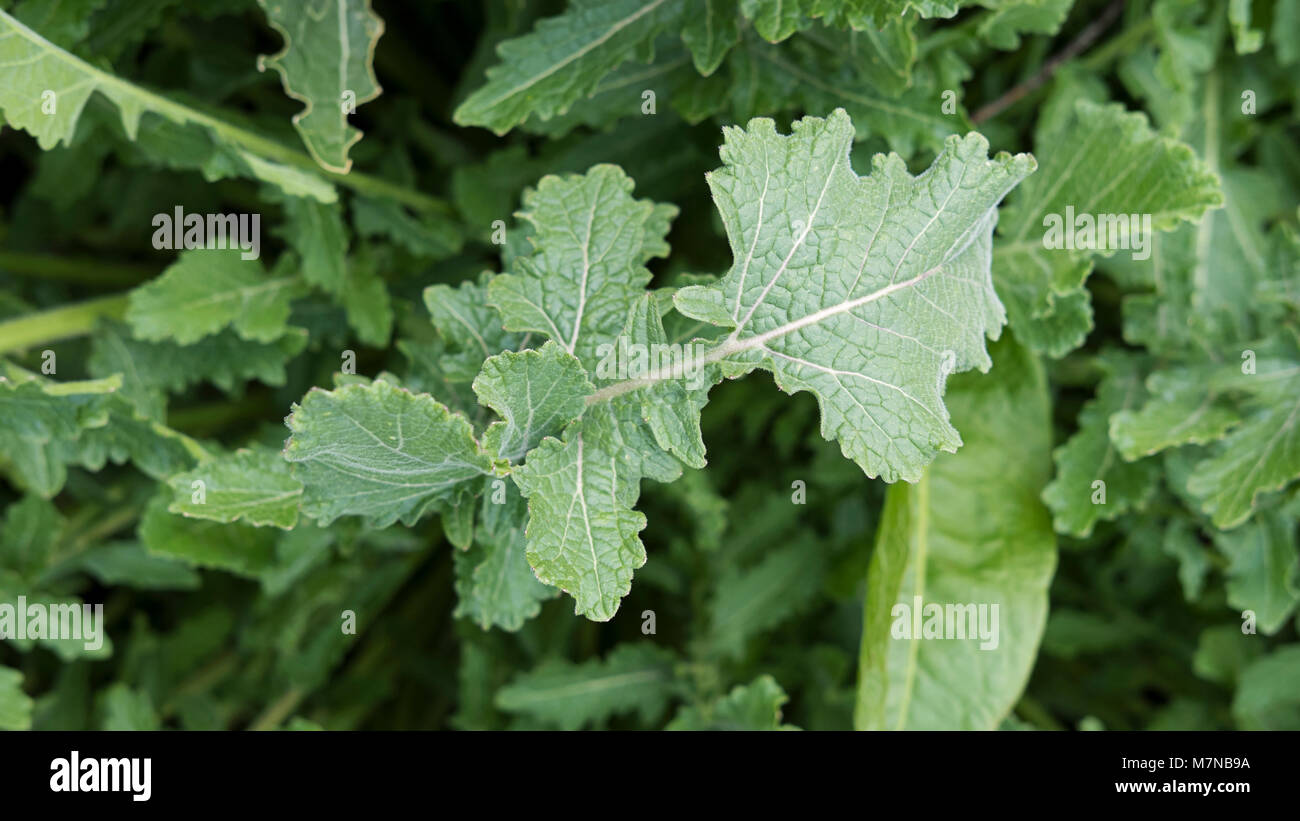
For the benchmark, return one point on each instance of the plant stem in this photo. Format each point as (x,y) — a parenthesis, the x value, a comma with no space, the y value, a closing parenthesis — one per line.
(84,270)
(278,710)
(58,323)
(201,681)
(1076,47)
(209,418)
(255,143)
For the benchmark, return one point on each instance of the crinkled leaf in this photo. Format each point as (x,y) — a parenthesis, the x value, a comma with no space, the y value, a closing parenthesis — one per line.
(865,291)
(1263,568)
(755,706)
(593,240)
(536,393)
(379,451)
(249,485)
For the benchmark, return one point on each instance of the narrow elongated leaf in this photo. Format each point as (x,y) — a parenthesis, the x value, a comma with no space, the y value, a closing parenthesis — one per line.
(632,678)
(563,59)
(972,541)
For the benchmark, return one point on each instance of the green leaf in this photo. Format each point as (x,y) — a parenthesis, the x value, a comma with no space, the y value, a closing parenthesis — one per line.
(865,291)
(1223,652)
(28,534)
(494,584)
(970,536)
(65,22)
(632,678)
(366,300)
(1099,160)
(1246,39)
(126,708)
(42,421)
(15,705)
(1183,543)
(229,151)
(592,242)
(749,601)
(129,565)
(1180,411)
(562,60)
(379,451)
(150,369)
(870,75)
(1093,483)
(316,231)
(1261,455)
(755,706)
(206,290)
(1268,694)
(582,529)
(328,63)
(236,548)
(536,393)
(1263,568)
(470,326)
(775,20)
(710,30)
(1009,19)
(249,485)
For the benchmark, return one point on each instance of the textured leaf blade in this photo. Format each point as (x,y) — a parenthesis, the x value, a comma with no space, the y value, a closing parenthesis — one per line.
(380,452)
(250,485)
(1093,482)
(536,393)
(593,240)
(866,291)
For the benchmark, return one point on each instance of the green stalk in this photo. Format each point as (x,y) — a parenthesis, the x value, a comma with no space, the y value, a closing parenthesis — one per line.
(58,323)
(255,143)
(84,270)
